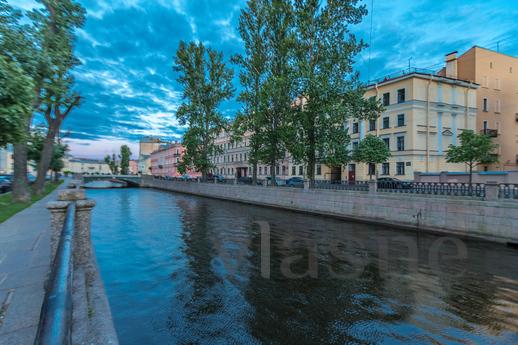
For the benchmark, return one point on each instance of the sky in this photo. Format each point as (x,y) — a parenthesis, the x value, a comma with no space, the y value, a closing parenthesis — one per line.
(126,48)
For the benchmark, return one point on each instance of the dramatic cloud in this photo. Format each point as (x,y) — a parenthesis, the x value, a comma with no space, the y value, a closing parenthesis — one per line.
(127,49)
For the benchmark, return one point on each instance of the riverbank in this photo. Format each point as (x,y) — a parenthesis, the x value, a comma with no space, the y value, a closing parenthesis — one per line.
(495,221)
(8,208)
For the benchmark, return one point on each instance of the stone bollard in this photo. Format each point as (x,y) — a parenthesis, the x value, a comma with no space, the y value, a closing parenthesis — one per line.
(215,180)
(58,212)
(82,239)
(71,195)
(235,181)
(373,187)
(492,190)
(306,184)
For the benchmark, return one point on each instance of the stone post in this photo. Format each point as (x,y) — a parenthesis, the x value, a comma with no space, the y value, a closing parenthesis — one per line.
(306,184)
(492,190)
(82,238)
(58,212)
(373,187)
(215,180)
(235,181)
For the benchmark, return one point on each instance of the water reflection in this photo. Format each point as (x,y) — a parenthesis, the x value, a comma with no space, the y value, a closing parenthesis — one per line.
(188,270)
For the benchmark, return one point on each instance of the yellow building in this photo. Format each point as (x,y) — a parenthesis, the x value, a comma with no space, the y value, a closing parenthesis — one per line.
(497,97)
(424,114)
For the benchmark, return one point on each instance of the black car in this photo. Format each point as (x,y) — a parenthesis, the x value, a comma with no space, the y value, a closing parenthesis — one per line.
(216,177)
(393,183)
(244,180)
(5,183)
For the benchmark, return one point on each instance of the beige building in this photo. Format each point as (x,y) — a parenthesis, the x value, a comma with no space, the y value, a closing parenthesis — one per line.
(86,166)
(6,160)
(148,145)
(497,98)
(424,114)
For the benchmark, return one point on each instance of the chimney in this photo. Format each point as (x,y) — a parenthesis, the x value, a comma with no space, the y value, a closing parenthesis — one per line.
(451,65)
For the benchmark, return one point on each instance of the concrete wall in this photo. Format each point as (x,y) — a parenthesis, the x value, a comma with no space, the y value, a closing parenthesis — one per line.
(478,177)
(496,221)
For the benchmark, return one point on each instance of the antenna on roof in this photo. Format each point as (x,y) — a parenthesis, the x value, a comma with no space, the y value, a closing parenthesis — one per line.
(370,41)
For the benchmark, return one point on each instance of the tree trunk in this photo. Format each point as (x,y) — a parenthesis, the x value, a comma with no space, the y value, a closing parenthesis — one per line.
(21,192)
(311,157)
(254,173)
(470,186)
(44,163)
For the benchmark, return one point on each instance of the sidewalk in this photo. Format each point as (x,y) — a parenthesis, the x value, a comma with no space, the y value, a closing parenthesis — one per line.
(24,264)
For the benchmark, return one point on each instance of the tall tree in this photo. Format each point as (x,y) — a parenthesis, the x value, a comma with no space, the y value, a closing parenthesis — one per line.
(206,82)
(273,119)
(125,156)
(328,89)
(474,149)
(56,23)
(18,46)
(112,163)
(252,26)
(371,150)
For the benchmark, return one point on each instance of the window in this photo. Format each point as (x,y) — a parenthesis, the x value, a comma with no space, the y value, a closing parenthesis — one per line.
(400,168)
(387,142)
(510,70)
(401,143)
(355,145)
(485,125)
(497,84)
(319,169)
(401,95)
(491,65)
(301,170)
(401,120)
(372,169)
(386,99)
(355,127)
(372,125)
(277,170)
(386,122)
(385,169)
(485,82)
(294,170)
(498,106)
(485,105)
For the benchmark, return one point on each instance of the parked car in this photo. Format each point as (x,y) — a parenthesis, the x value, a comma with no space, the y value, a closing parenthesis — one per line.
(244,180)
(278,181)
(295,182)
(216,177)
(5,183)
(394,183)
(187,177)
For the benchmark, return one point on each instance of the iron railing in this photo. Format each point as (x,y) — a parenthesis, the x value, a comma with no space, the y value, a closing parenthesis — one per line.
(341,185)
(508,191)
(437,188)
(56,321)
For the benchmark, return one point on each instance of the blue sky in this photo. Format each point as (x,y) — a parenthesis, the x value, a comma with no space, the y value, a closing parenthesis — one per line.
(127,49)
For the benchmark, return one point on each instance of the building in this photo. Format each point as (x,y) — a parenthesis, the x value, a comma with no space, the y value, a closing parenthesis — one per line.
(133,167)
(86,166)
(148,145)
(424,114)
(164,161)
(6,160)
(497,97)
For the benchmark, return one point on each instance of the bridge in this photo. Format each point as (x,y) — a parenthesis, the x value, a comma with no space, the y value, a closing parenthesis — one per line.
(131,180)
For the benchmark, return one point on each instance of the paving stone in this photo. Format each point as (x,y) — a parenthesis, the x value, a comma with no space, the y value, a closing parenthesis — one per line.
(22,336)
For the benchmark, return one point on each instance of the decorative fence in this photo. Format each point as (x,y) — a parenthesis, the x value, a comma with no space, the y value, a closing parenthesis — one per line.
(341,185)
(477,190)
(508,191)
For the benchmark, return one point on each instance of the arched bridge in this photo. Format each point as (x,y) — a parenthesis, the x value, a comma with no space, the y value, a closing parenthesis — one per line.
(131,180)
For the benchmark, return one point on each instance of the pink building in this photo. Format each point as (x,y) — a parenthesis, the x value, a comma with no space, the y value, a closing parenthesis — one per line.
(133,167)
(164,161)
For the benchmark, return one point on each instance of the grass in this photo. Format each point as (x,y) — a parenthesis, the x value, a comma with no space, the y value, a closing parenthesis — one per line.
(8,208)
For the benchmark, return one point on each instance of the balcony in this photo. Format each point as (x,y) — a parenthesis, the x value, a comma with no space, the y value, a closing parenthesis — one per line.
(492,133)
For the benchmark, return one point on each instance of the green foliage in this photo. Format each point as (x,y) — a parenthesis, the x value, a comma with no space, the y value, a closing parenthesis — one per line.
(371,150)
(206,82)
(112,163)
(329,90)
(125,156)
(15,102)
(474,149)
(35,147)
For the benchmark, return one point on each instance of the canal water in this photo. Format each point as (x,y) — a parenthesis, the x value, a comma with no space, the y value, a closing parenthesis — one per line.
(181,269)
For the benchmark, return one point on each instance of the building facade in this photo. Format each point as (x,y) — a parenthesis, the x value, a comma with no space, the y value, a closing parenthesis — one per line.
(86,166)
(148,145)
(164,161)
(6,160)
(424,114)
(497,98)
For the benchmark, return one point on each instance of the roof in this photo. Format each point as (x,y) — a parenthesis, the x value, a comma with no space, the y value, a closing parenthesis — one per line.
(490,50)
(86,160)
(420,73)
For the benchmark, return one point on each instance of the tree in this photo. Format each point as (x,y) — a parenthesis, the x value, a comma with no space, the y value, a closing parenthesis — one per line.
(125,158)
(35,146)
(15,102)
(206,82)
(327,87)
(252,26)
(272,121)
(18,46)
(112,163)
(474,149)
(56,24)
(371,150)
